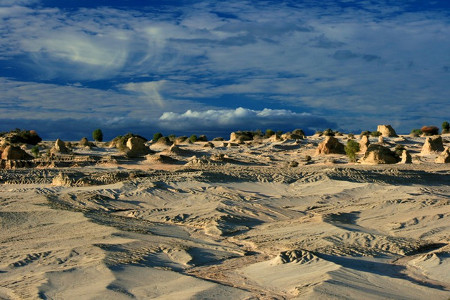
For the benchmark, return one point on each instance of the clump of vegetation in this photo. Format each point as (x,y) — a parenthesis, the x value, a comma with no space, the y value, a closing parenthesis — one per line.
(375,133)
(351,149)
(269,133)
(157,136)
(35,151)
(430,130)
(416,132)
(351,136)
(445,127)
(193,138)
(218,139)
(366,132)
(18,136)
(202,138)
(97,135)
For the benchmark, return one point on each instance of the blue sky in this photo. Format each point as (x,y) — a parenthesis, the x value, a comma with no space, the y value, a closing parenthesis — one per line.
(68,67)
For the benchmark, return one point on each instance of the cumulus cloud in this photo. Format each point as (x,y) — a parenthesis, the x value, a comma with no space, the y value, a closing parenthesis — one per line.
(241,119)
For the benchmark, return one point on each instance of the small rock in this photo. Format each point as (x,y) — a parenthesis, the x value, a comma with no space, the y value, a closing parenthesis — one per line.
(387,130)
(432,145)
(444,157)
(330,145)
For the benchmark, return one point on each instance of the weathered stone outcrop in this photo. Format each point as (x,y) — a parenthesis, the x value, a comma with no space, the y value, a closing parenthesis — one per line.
(60,147)
(444,157)
(136,147)
(377,154)
(241,136)
(387,130)
(364,144)
(85,143)
(15,153)
(406,157)
(291,136)
(330,145)
(432,145)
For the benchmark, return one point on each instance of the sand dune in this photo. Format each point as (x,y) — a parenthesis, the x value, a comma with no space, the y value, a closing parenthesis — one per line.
(227,223)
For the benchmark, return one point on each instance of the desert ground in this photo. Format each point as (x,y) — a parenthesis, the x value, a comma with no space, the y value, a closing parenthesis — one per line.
(266,219)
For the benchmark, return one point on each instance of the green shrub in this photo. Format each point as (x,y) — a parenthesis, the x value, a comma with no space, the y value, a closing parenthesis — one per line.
(157,136)
(445,127)
(193,138)
(172,137)
(375,133)
(416,132)
(97,135)
(35,151)
(366,132)
(351,149)
(351,136)
(202,138)
(269,133)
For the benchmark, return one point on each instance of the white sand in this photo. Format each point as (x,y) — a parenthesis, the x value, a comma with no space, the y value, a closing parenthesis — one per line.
(220,229)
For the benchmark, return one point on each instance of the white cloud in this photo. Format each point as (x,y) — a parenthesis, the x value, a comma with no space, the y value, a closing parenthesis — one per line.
(240,118)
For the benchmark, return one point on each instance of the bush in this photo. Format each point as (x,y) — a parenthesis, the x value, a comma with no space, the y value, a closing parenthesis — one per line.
(157,136)
(416,132)
(193,138)
(445,127)
(366,132)
(351,149)
(351,136)
(172,137)
(202,138)
(375,133)
(269,133)
(97,135)
(35,151)
(430,130)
